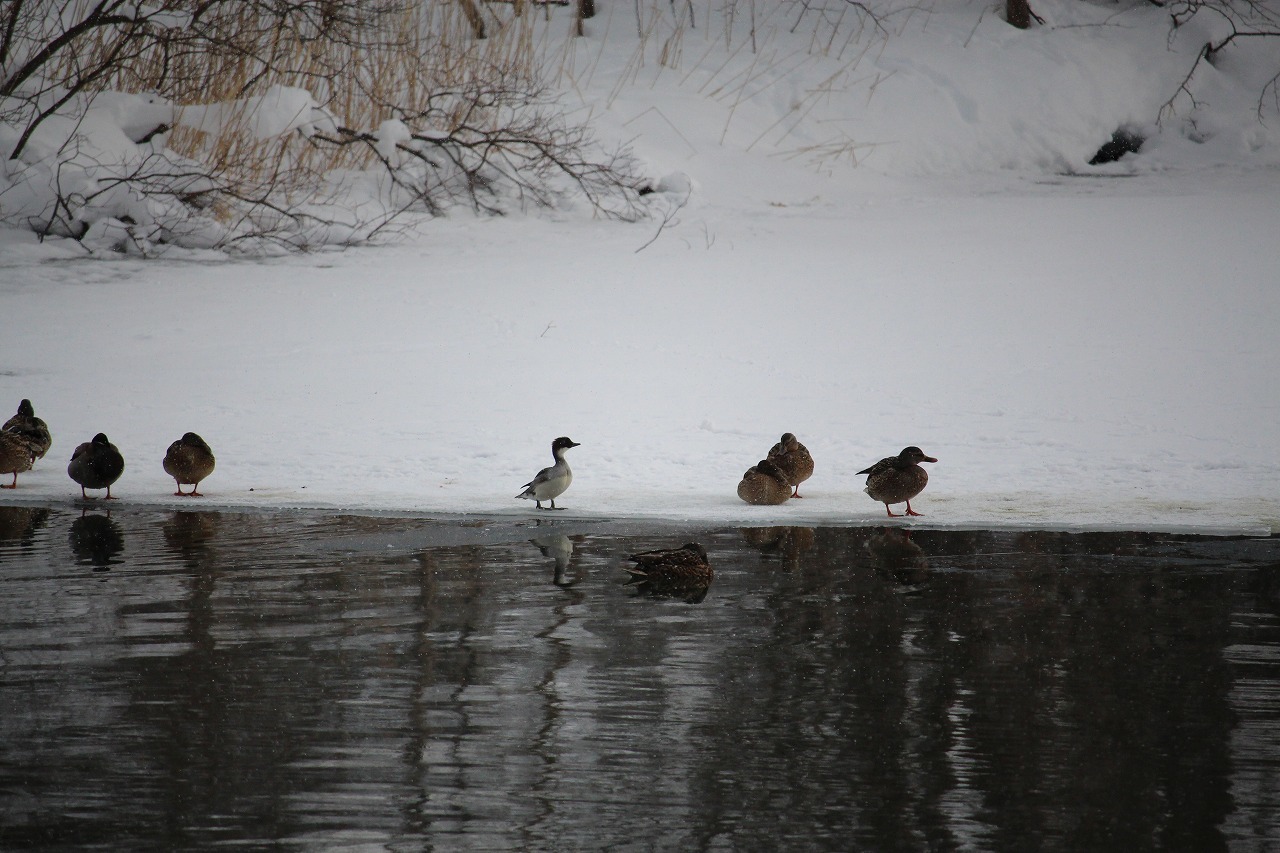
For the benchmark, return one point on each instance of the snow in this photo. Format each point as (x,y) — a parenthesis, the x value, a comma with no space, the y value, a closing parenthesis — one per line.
(898,242)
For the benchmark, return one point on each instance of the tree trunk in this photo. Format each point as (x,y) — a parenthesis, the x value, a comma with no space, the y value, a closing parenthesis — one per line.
(474,17)
(1018,13)
(586,9)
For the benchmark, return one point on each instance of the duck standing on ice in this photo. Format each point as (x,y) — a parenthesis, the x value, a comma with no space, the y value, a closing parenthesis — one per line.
(189,460)
(550,483)
(33,429)
(895,479)
(794,459)
(15,456)
(96,465)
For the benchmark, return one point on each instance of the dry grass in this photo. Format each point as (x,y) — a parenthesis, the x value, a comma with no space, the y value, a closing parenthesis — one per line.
(419,63)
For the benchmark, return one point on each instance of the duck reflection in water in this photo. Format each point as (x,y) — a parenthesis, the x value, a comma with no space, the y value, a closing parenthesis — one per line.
(96,540)
(787,543)
(896,556)
(187,534)
(20,523)
(559,548)
(683,573)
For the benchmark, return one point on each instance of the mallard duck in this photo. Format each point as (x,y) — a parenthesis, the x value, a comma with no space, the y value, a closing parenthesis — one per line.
(684,572)
(15,456)
(34,430)
(793,459)
(96,465)
(895,479)
(764,483)
(189,460)
(550,483)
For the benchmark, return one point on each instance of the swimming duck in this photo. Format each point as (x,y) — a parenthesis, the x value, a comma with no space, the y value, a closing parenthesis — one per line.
(96,465)
(684,572)
(15,456)
(895,479)
(793,459)
(764,483)
(551,482)
(33,429)
(189,460)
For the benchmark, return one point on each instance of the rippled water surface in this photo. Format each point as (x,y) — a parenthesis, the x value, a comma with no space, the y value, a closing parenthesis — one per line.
(190,680)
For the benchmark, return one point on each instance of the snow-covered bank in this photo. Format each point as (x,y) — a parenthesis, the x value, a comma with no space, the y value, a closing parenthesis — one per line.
(1075,352)
(894,241)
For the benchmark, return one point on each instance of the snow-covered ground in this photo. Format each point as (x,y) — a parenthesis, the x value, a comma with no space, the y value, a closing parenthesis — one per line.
(1078,346)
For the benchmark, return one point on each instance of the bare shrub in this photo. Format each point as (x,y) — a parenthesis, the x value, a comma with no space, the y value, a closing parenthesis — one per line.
(263,119)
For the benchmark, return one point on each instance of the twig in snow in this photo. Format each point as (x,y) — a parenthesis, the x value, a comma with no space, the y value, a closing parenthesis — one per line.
(666,220)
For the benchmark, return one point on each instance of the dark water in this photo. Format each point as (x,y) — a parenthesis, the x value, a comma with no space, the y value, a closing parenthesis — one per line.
(281,681)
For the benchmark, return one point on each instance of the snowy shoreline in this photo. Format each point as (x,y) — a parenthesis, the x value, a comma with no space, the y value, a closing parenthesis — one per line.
(581,521)
(1078,351)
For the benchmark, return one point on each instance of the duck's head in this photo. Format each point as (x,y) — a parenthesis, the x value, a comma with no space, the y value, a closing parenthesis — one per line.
(26,409)
(789,441)
(695,548)
(192,440)
(766,467)
(562,444)
(101,438)
(913,455)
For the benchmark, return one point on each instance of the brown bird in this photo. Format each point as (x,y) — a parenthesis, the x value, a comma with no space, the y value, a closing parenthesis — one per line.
(794,460)
(683,571)
(189,460)
(96,465)
(33,429)
(15,456)
(895,479)
(764,483)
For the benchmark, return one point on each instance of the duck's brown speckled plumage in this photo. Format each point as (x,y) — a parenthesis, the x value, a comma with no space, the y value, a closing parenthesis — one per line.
(684,572)
(793,459)
(896,479)
(15,456)
(96,465)
(764,483)
(33,429)
(189,460)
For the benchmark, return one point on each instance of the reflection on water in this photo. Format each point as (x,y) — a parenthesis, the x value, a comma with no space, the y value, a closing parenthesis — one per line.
(322,682)
(96,540)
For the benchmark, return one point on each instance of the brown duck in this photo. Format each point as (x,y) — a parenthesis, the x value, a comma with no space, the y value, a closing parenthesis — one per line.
(189,460)
(684,572)
(15,456)
(895,479)
(33,429)
(764,483)
(793,459)
(96,465)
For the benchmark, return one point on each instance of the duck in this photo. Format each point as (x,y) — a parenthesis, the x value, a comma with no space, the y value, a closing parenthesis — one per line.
(550,483)
(895,479)
(96,464)
(189,460)
(794,459)
(33,429)
(15,456)
(764,483)
(683,572)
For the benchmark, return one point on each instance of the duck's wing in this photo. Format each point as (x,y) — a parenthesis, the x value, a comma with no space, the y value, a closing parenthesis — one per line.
(539,478)
(878,468)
